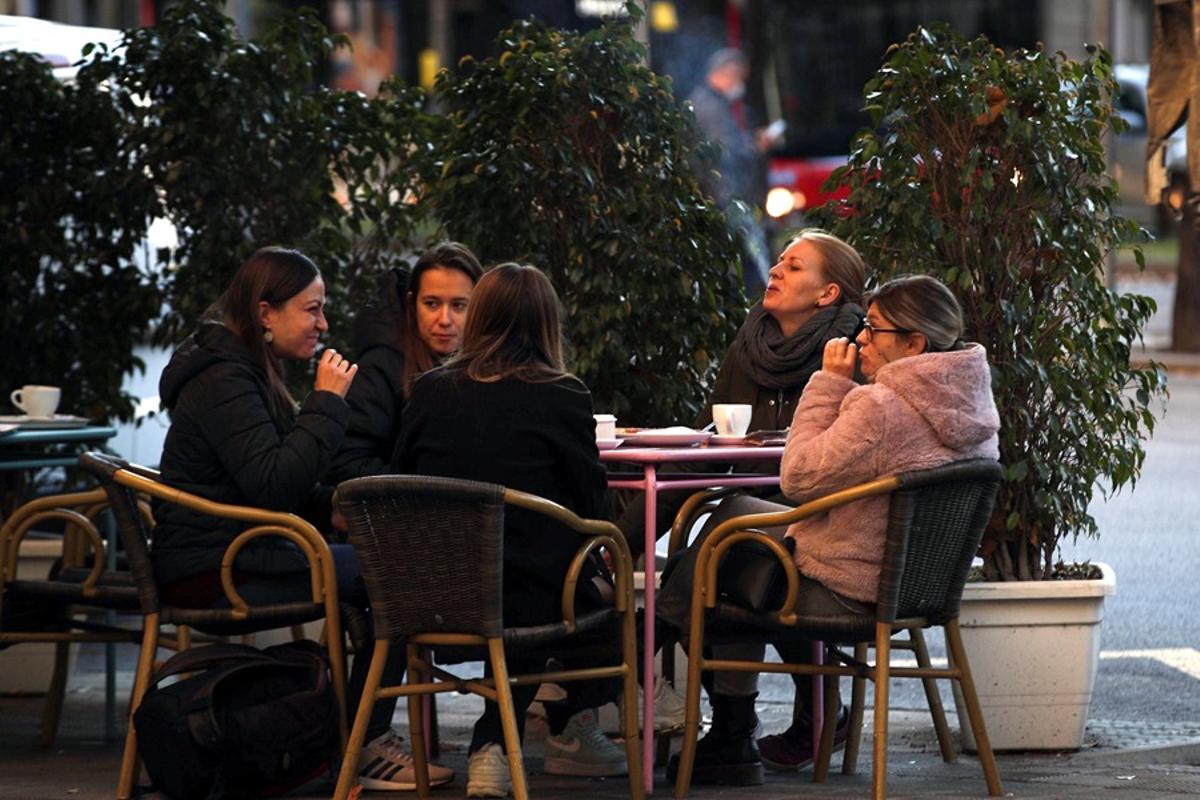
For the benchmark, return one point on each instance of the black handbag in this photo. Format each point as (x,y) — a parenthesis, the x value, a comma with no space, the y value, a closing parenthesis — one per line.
(246,723)
(751,577)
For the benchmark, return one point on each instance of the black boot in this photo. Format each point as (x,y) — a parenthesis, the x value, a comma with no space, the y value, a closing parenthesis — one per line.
(727,755)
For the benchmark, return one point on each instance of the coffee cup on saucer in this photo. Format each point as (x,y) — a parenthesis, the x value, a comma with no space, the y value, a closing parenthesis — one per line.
(37,401)
(606,427)
(732,419)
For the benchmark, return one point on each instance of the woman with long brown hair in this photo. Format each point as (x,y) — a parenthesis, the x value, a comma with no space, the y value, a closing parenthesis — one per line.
(416,326)
(504,410)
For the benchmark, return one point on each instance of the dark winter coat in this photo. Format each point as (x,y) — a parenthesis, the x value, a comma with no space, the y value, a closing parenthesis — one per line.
(533,437)
(225,444)
(376,397)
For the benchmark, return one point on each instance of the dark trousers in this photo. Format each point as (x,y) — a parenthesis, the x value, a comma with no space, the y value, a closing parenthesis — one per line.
(675,598)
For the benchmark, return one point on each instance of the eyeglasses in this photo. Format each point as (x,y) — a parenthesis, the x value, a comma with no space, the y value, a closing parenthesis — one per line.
(870,330)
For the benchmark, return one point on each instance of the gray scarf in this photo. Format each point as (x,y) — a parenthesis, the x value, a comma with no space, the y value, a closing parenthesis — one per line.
(778,362)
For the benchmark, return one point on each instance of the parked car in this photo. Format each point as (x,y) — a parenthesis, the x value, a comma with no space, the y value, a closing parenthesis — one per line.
(1129,155)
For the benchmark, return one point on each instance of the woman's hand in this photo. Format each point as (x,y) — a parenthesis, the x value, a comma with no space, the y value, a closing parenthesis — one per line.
(334,373)
(840,357)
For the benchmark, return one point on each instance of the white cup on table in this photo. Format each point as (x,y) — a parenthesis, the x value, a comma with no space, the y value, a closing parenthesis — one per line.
(732,419)
(36,401)
(606,427)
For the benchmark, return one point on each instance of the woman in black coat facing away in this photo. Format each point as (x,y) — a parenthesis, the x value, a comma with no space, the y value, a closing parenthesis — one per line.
(237,436)
(417,325)
(505,411)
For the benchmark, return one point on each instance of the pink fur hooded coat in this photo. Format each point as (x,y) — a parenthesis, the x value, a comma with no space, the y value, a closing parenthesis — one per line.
(922,411)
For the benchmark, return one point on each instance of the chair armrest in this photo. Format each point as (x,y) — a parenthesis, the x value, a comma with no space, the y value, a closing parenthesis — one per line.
(66,507)
(599,533)
(746,528)
(699,503)
(269,523)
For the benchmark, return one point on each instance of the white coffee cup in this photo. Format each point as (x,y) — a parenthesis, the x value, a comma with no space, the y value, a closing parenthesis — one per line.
(732,419)
(606,427)
(37,401)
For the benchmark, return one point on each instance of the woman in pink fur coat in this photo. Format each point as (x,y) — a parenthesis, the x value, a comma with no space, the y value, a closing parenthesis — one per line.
(928,401)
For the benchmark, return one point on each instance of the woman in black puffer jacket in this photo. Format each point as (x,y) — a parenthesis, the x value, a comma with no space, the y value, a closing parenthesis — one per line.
(237,436)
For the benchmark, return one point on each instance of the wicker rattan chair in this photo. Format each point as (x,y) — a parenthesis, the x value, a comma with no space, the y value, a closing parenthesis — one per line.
(935,522)
(78,586)
(123,483)
(431,551)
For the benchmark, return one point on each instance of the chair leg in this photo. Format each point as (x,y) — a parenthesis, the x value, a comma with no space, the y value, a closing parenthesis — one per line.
(630,687)
(508,718)
(933,697)
(825,751)
(348,774)
(971,699)
(691,725)
(141,680)
(54,695)
(416,725)
(183,638)
(858,698)
(883,655)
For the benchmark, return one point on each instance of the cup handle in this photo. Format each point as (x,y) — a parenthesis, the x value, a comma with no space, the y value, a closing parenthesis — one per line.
(15,397)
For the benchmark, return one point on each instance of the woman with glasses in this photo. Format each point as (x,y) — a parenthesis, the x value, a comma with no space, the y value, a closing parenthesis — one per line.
(927,402)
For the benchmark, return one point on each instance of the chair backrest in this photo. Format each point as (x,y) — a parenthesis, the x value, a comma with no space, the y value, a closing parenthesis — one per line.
(935,522)
(131,525)
(431,552)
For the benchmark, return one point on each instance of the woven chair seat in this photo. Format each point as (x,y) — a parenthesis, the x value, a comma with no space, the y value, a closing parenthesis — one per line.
(597,633)
(219,621)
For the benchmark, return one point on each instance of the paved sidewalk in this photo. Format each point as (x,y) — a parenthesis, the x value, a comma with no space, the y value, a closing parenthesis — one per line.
(1121,760)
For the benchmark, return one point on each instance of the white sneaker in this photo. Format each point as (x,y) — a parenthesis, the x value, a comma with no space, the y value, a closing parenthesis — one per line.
(584,751)
(670,709)
(487,772)
(385,764)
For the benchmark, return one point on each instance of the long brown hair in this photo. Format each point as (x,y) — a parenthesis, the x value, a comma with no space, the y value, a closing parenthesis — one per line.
(922,304)
(273,275)
(418,358)
(514,328)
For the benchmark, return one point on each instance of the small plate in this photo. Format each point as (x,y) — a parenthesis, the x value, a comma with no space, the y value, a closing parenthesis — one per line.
(26,422)
(652,438)
(608,444)
(727,440)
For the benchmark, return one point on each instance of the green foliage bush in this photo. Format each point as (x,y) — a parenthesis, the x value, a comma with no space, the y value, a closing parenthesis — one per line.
(566,152)
(987,170)
(76,300)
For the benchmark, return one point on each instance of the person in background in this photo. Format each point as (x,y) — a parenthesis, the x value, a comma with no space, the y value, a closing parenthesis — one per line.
(928,402)
(504,410)
(417,324)
(722,117)
(238,437)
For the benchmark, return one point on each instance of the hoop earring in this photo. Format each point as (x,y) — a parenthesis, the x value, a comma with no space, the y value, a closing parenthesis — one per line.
(268,337)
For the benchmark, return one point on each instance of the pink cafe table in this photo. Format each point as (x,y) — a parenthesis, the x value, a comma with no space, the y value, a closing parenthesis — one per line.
(651,459)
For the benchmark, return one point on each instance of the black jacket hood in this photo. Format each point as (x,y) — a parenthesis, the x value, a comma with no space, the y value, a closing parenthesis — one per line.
(211,344)
(381,324)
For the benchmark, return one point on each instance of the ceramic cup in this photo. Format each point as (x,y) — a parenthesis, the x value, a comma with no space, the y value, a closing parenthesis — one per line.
(606,427)
(732,419)
(37,401)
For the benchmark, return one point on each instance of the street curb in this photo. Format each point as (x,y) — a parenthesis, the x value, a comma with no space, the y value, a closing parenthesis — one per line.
(1187,754)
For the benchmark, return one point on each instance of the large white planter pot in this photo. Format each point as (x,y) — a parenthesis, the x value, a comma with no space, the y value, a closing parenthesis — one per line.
(1034,647)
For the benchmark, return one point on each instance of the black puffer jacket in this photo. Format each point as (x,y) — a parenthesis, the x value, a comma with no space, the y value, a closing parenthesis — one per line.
(225,444)
(376,397)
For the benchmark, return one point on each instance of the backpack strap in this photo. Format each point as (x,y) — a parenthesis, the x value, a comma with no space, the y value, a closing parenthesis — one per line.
(206,657)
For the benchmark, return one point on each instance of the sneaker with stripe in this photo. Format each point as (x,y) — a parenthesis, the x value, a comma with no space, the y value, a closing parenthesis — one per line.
(384,764)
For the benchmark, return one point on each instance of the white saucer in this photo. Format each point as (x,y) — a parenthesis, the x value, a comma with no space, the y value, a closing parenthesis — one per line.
(608,444)
(727,440)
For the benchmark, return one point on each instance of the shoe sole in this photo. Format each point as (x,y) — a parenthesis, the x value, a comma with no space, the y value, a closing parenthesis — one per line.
(573,769)
(491,790)
(778,766)
(392,786)
(728,775)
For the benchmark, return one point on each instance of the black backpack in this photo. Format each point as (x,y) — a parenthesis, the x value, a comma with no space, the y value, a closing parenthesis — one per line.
(247,723)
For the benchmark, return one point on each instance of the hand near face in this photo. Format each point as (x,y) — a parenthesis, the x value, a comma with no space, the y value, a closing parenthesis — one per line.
(334,373)
(840,357)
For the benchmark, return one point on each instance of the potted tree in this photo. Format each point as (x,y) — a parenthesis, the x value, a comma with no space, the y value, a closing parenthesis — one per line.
(987,170)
